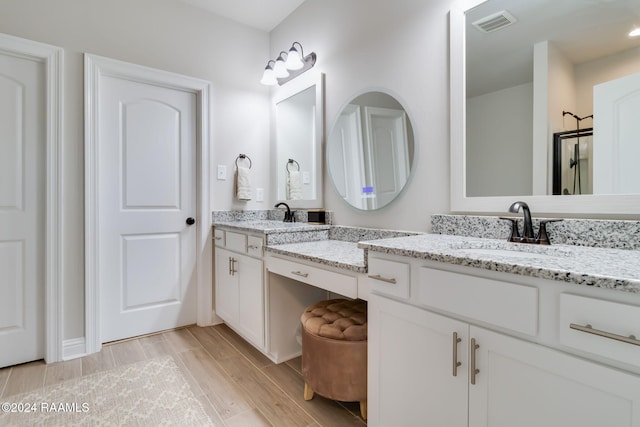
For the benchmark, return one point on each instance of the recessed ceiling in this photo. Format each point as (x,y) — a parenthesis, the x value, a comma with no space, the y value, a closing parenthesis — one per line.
(261,14)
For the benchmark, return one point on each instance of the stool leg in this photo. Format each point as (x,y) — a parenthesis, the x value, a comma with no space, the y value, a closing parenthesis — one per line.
(363,409)
(308,392)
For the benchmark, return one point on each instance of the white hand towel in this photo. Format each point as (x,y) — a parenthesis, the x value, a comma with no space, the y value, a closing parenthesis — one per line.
(243,183)
(295,186)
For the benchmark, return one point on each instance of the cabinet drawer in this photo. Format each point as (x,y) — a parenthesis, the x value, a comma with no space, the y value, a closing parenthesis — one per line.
(218,237)
(236,242)
(504,304)
(254,246)
(600,327)
(389,277)
(330,280)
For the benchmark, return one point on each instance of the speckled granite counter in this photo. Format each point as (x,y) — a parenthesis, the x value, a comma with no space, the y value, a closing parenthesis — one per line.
(267,226)
(606,268)
(279,232)
(334,253)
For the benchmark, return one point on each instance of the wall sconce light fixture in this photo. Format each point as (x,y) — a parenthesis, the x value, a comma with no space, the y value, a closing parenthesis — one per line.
(288,67)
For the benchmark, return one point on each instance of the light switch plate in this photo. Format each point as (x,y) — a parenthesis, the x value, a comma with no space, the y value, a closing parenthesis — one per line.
(306,178)
(259,194)
(222,172)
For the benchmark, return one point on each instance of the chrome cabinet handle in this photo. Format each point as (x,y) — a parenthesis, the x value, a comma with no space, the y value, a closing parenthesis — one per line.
(252,247)
(300,273)
(383,279)
(456,363)
(232,269)
(631,339)
(474,371)
(218,238)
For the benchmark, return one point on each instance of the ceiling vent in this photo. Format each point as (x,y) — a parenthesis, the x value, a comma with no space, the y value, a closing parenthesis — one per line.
(495,22)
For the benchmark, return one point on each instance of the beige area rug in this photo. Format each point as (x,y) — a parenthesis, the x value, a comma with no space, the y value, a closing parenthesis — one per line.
(148,393)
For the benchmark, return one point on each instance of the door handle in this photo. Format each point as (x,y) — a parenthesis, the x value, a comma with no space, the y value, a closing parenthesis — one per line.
(191,221)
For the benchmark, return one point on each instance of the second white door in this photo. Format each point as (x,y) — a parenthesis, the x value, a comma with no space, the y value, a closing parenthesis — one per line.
(147,206)
(22,208)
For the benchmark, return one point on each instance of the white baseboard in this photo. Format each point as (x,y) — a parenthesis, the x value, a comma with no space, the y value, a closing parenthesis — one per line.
(74,348)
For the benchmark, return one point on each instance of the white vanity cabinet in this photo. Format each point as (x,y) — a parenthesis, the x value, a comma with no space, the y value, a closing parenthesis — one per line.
(464,350)
(239,285)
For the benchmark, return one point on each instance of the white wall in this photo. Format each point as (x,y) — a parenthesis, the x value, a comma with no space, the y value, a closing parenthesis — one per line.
(499,142)
(165,34)
(599,71)
(399,45)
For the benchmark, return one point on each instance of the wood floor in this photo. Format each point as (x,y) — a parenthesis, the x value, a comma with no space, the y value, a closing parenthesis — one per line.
(237,385)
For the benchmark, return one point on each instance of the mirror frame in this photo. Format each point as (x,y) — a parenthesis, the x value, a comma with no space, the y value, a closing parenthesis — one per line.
(279,94)
(596,204)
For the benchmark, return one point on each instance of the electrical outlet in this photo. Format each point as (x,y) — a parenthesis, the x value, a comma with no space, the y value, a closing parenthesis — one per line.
(306,177)
(222,173)
(259,194)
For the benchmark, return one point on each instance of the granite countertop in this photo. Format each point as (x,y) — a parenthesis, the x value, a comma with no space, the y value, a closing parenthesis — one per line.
(267,226)
(334,253)
(600,267)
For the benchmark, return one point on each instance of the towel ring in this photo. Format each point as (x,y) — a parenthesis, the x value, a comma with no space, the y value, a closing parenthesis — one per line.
(243,156)
(291,161)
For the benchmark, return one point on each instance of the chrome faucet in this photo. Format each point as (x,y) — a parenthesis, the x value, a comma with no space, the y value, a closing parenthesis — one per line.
(288,215)
(527,231)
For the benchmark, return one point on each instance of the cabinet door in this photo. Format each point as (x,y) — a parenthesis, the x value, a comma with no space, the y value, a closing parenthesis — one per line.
(527,385)
(251,299)
(411,379)
(226,286)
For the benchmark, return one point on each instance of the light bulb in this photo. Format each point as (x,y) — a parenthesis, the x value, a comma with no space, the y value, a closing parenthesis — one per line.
(280,70)
(268,77)
(635,32)
(294,62)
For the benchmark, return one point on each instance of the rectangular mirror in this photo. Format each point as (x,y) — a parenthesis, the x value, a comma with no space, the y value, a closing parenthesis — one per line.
(541,74)
(299,125)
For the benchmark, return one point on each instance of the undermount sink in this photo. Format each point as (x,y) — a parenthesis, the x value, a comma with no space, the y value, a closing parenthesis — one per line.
(505,253)
(512,250)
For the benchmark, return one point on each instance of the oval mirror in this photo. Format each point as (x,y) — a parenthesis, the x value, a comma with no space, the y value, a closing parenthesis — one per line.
(371,150)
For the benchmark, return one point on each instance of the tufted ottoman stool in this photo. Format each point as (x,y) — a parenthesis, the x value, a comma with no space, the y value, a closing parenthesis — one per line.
(334,351)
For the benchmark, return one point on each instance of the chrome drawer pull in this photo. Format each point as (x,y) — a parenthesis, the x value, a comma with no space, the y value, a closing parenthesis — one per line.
(300,273)
(218,238)
(383,279)
(253,247)
(631,339)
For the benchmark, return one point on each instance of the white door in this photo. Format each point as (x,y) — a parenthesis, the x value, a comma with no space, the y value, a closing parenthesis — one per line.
(345,156)
(528,385)
(226,286)
(147,191)
(251,299)
(387,153)
(615,136)
(22,209)
(412,378)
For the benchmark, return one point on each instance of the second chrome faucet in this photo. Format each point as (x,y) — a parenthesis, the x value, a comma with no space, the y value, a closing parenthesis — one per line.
(527,231)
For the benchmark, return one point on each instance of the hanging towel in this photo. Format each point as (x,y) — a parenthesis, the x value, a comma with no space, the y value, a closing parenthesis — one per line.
(243,183)
(295,185)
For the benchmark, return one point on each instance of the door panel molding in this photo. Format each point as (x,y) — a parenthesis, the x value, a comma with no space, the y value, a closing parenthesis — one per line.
(96,67)
(53,59)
